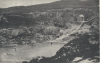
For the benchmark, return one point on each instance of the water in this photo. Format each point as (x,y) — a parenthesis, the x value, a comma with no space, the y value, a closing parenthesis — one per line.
(26,52)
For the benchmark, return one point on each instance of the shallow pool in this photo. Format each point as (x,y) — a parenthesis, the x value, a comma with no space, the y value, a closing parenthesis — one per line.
(26,52)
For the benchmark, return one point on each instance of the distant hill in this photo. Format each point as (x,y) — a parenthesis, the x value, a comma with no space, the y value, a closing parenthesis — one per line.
(16,18)
(54,5)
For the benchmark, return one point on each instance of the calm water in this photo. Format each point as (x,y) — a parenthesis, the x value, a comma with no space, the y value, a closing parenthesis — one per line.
(26,52)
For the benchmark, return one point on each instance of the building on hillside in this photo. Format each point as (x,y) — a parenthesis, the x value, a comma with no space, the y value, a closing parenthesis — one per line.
(80,17)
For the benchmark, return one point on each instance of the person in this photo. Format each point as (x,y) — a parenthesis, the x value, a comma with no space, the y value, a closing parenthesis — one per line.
(15,48)
(51,43)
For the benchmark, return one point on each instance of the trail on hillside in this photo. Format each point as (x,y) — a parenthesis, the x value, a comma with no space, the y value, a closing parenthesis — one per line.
(66,35)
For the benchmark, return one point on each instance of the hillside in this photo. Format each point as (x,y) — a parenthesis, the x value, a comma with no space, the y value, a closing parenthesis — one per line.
(21,15)
(44,26)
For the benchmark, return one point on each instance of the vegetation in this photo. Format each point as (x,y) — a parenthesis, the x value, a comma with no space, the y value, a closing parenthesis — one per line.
(44,26)
(29,27)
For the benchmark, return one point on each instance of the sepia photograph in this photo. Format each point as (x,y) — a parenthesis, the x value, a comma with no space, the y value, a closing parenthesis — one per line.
(49,31)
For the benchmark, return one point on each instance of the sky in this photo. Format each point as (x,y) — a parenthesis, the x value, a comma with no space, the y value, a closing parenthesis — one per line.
(11,3)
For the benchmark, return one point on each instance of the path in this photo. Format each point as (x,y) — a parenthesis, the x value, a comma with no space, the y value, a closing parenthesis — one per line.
(66,35)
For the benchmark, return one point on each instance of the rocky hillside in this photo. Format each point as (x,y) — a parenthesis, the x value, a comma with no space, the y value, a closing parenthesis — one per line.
(44,26)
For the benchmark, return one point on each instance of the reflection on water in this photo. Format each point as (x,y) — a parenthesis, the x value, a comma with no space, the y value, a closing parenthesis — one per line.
(26,52)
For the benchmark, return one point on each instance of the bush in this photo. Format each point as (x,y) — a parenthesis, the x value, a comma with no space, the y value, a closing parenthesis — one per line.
(51,30)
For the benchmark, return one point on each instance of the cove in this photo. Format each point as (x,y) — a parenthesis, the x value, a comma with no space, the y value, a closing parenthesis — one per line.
(27,52)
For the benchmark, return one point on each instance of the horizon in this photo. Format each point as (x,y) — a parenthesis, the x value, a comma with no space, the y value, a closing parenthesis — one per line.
(14,3)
